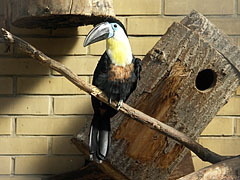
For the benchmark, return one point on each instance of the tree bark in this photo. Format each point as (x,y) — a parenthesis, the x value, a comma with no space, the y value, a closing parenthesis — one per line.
(225,170)
(59,13)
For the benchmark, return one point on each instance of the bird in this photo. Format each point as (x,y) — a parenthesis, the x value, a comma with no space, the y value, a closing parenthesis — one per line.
(116,74)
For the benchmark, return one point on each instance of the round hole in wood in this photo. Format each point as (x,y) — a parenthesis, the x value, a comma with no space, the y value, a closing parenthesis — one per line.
(206,79)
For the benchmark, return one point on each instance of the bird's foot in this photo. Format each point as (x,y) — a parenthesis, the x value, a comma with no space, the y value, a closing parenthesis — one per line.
(99,161)
(94,158)
(119,105)
(109,100)
(91,158)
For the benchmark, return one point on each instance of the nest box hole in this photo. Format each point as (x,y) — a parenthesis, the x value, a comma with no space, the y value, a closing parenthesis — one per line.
(205,80)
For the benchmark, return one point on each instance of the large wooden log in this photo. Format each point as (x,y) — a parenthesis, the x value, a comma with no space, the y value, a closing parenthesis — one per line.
(185,81)
(59,13)
(225,170)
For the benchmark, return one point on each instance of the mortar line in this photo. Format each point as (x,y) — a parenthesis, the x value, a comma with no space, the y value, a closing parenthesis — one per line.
(13,127)
(13,165)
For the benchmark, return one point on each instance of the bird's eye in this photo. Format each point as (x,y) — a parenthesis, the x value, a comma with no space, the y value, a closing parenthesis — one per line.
(115,25)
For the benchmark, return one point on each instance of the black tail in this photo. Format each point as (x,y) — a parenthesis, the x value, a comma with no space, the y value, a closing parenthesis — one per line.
(99,138)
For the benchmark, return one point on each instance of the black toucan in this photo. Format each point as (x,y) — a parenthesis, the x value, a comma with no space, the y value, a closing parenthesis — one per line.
(116,75)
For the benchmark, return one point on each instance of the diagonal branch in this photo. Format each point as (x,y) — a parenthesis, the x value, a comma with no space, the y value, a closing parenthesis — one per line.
(203,153)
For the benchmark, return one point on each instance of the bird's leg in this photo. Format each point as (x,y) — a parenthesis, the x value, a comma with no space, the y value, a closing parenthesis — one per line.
(119,105)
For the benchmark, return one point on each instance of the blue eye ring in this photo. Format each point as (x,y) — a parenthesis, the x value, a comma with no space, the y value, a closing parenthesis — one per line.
(114,26)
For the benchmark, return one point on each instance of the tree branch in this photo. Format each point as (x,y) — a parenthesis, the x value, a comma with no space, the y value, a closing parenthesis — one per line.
(203,153)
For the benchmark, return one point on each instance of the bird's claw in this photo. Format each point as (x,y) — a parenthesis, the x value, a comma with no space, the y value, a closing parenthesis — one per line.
(91,157)
(109,100)
(119,105)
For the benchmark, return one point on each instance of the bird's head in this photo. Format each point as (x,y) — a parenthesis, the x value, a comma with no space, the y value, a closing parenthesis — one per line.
(117,47)
(111,28)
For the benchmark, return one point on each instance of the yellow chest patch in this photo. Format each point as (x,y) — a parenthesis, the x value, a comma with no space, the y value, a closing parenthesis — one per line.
(118,51)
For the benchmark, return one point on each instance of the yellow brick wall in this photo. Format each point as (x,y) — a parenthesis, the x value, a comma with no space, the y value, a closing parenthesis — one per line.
(40,110)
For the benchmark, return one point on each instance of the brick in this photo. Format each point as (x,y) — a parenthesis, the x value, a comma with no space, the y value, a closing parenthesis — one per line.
(238,126)
(22,66)
(48,165)
(134,7)
(230,26)
(220,126)
(5,165)
(63,145)
(97,48)
(23,145)
(5,127)
(58,46)
(4,49)
(24,105)
(73,105)
(212,7)
(199,164)
(81,30)
(49,125)
(81,65)
(6,85)
(232,107)
(149,25)
(141,45)
(2,7)
(20,178)
(238,6)
(238,91)
(26,31)
(47,85)
(222,145)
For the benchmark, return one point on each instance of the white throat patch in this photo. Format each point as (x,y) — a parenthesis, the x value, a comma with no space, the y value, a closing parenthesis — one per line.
(119,49)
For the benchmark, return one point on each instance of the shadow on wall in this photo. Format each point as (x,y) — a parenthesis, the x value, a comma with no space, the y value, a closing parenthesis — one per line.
(40,109)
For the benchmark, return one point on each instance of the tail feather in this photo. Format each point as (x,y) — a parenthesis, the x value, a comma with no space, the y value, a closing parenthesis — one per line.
(99,138)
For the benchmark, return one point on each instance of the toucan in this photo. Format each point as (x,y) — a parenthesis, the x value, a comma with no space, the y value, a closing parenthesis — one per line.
(116,74)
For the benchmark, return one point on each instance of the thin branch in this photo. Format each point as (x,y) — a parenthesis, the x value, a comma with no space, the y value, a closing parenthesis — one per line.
(203,153)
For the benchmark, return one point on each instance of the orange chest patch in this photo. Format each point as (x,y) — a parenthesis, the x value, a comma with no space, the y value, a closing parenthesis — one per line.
(117,73)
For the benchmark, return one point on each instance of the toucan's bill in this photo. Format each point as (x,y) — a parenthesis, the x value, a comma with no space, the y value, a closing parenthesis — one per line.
(98,33)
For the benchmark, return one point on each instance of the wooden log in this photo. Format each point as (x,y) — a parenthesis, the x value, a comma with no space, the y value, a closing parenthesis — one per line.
(185,81)
(88,172)
(183,168)
(225,170)
(59,13)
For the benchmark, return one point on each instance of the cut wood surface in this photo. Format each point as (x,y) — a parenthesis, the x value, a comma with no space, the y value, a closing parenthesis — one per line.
(59,13)
(220,41)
